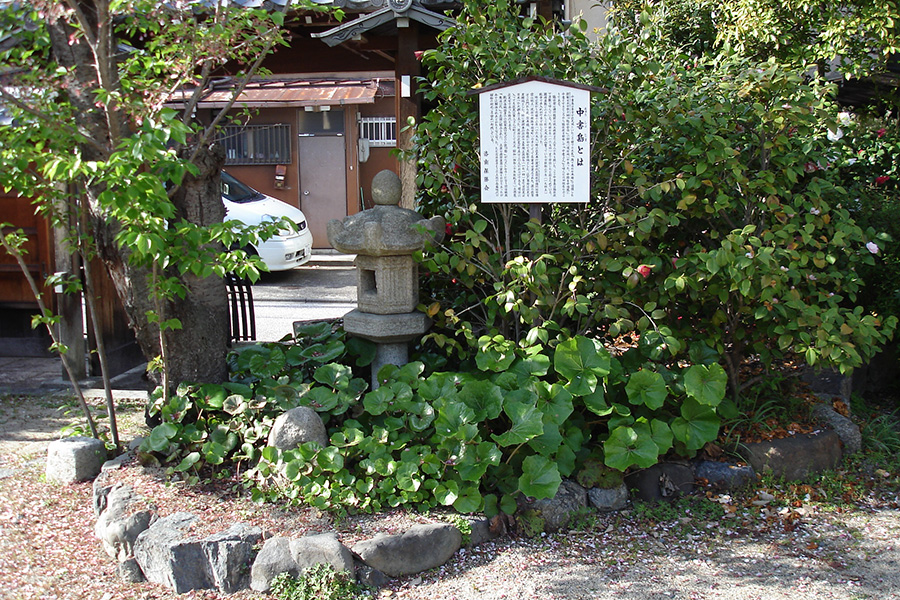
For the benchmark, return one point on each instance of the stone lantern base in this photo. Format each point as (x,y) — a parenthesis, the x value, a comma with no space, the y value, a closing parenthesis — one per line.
(391,333)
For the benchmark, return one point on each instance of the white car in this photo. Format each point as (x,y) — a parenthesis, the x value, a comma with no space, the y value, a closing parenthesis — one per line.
(284,251)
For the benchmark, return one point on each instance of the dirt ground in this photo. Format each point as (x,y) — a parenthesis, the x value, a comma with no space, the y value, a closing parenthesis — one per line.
(814,550)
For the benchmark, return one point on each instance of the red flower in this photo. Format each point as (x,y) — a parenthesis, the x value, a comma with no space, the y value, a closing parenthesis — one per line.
(810,167)
(882,179)
(881,132)
(644,270)
(448,230)
(418,54)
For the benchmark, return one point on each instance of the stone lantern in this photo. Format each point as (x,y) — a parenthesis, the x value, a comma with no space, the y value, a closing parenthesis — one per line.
(384,239)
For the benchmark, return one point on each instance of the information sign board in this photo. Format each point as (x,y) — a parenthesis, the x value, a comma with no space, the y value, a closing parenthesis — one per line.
(535,142)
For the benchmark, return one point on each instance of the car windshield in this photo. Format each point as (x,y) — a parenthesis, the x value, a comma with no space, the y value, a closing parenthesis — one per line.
(235,191)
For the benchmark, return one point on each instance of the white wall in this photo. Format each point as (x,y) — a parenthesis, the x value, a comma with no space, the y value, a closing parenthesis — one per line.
(593,11)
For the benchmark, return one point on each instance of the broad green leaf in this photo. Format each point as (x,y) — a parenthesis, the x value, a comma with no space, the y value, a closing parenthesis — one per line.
(212,395)
(378,401)
(188,462)
(526,424)
(322,399)
(484,398)
(596,402)
(452,417)
(469,500)
(625,448)
(447,492)
(330,459)
(549,441)
(234,405)
(697,425)
(581,361)
(408,477)
(706,384)
(422,418)
(540,477)
(555,402)
(333,374)
(646,388)
(158,440)
(475,462)
(662,435)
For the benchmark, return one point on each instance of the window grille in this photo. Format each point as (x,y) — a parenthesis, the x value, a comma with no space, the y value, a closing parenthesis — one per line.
(380,131)
(257,144)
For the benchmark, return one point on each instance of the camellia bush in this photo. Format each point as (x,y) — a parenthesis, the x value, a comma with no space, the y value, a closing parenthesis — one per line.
(709,219)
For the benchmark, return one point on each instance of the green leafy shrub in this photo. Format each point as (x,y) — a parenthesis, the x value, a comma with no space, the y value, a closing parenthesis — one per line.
(710,218)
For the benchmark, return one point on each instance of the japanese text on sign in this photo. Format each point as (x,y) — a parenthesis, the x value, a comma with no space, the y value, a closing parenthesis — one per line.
(535,143)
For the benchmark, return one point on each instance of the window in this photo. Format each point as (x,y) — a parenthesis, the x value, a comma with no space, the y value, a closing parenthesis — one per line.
(380,131)
(257,144)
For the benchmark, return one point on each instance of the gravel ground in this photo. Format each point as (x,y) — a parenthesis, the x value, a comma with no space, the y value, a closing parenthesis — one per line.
(772,550)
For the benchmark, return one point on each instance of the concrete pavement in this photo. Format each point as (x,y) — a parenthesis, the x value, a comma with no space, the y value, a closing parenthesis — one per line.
(324,288)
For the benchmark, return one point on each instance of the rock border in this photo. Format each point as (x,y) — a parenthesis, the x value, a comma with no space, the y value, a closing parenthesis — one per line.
(149,547)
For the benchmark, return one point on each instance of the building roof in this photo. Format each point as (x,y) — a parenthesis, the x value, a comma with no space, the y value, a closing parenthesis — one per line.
(295,92)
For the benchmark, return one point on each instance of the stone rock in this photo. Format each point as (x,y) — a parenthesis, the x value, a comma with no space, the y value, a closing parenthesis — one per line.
(796,457)
(123,518)
(220,561)
(421,548)
(847,430)
(230,554)
(167,557)
(99,491)
(297,426)
(116,463)
(481,532)
(829,382)
(295,555)
(557,511)
(370,577)
(724,476)
(608,499)
(75,459)
(386,329)
(129,571)
(662,481)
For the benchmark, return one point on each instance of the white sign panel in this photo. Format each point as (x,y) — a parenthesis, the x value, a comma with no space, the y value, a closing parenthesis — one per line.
(535,143)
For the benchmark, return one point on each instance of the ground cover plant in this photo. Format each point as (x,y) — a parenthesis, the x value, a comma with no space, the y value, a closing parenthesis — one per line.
(471,440)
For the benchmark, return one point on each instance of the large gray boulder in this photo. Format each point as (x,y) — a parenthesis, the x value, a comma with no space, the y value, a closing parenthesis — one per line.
(230,555)
(796,457)
(724,476)
(557,511)
(124,517)
(75,459)
(221,561)
(297,426)
(608,499)
(421,548)
(296,555)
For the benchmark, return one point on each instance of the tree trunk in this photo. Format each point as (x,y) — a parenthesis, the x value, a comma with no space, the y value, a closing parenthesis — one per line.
(197,351)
